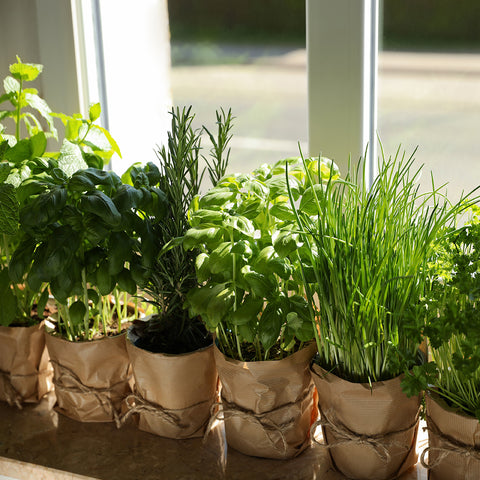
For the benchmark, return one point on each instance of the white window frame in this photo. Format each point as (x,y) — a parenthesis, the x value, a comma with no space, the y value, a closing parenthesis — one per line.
(342,53)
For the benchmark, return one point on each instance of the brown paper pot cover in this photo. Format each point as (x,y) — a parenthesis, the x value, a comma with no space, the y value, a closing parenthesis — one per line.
(370,432)
(174,393)
(268,406)
(453,443)
(91,378)
(25,373)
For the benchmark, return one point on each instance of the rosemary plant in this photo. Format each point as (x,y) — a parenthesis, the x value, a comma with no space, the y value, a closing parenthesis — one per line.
(171,330)
(370,248)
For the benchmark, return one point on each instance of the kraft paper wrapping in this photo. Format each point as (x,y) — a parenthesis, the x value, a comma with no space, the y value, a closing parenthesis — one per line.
(25,373)
(268,406)
(91,378)
(370,432)
(174,393)
(454,443)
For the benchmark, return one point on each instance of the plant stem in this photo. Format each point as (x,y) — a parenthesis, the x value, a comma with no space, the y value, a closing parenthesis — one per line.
(86,317)
(17,126)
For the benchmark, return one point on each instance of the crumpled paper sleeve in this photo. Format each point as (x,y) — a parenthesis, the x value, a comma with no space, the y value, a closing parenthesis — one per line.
(450,435)
(268,406)
(382,415)
(179,391)
(92,378)
(25,372)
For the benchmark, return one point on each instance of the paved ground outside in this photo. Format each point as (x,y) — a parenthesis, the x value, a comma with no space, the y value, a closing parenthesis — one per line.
(429,100)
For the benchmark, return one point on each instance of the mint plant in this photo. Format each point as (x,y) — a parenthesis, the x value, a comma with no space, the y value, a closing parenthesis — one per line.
(23,156)
(249,268)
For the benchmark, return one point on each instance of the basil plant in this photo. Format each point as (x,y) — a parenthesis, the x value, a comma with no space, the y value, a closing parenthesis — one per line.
(250,260)
(85,236)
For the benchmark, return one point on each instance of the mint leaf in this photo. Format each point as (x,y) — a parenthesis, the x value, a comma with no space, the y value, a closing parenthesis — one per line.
(8,210)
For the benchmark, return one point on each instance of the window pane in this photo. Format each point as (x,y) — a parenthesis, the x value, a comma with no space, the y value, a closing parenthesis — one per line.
(248,59)
(429,89)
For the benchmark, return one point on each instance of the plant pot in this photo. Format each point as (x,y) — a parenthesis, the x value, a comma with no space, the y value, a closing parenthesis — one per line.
(91,378)
(25,374)
(173,393)
(268,406)
(370,431)
(453,442)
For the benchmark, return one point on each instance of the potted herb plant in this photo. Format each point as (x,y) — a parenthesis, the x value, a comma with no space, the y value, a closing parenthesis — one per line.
(25,375)
(369,251)
(171,352)
(251,296)
(452,379)
(86,235)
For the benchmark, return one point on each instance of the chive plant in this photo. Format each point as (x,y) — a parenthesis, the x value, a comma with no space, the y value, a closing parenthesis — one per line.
(171,330)
(369,250)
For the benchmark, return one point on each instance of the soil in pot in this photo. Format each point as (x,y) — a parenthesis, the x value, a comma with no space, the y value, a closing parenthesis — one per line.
(268,406)
(453,442)
(176,381)
(370,430)
(92,378)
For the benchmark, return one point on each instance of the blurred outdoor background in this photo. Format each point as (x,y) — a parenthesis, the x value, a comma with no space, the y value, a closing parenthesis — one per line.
(243,56)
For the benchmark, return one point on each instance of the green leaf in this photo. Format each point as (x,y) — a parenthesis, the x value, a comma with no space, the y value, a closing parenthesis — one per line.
(242,247)
(38,144)
(259,284)
(277,187)
(202,268)
(119,252)
(9,210)
(195,237)
(241,224)
(21,259)
(285,242)
(4,171)
(248,311)
(221,259)
(72,129)
(217,197)
(207,218)
(270,326)
(94,111)
(20,152)
(110,139)
(105,282)
(41,106)
(220,303)
(126,282)
(71,159)
(8,312)
(77,312)
(308,202)
(80,182)
(42,302)
(25,71)
(282,212)
(99,204)
(11,85)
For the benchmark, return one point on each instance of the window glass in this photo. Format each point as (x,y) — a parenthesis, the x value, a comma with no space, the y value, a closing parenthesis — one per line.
(429,88)
(248,56)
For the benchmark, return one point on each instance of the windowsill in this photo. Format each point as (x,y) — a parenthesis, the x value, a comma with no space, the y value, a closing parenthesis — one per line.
(36,442)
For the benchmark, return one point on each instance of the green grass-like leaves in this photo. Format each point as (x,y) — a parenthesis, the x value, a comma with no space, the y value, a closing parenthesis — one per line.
(372,247)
